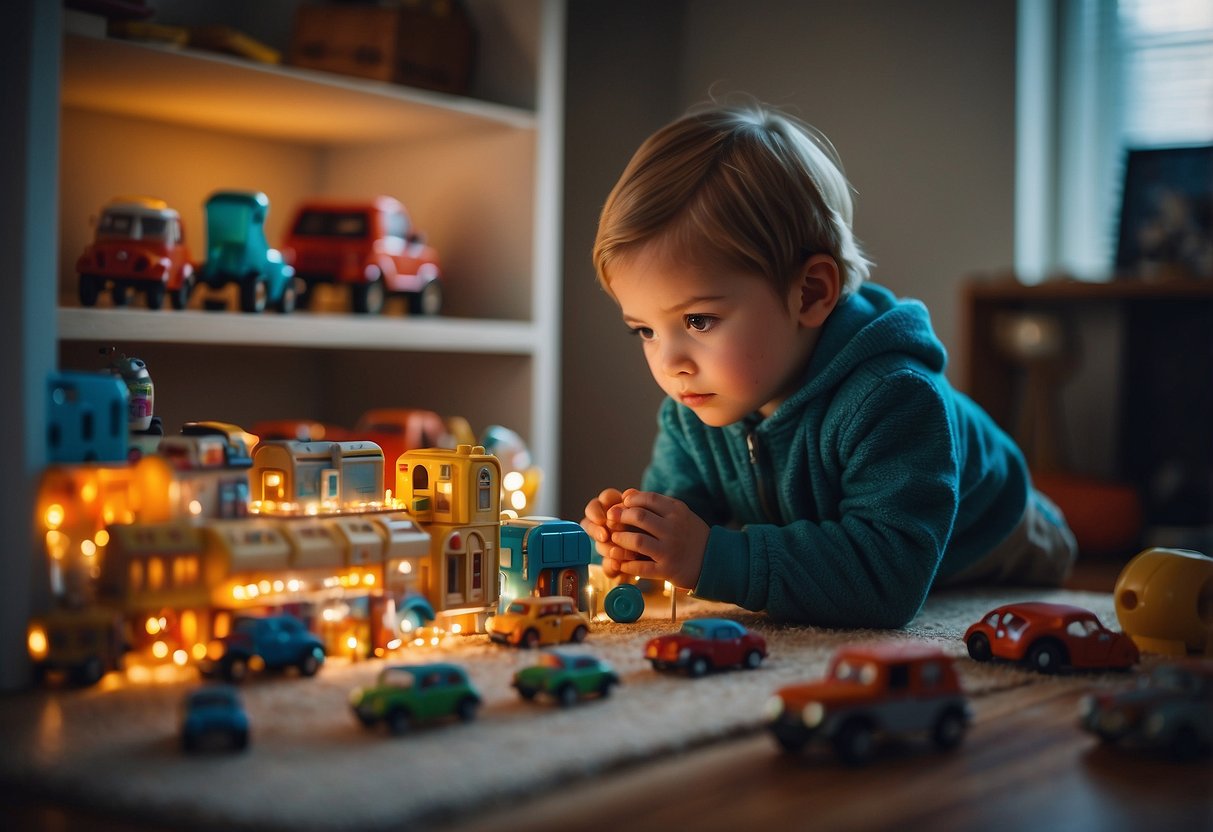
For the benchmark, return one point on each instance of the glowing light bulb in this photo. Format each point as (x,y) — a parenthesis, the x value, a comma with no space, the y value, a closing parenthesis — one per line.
(53,516)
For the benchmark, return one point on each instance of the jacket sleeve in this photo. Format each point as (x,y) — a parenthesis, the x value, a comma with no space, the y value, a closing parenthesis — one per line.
(872,563)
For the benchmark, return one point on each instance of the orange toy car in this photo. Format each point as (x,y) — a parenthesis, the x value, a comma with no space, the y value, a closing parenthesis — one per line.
(881,690)
(1047,637)
(372,247)
(400,429)
(139,244)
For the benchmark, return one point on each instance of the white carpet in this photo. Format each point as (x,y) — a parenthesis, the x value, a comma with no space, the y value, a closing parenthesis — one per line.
(311,767)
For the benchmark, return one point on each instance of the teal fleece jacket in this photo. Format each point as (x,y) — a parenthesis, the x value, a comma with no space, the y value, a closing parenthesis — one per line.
(869,482)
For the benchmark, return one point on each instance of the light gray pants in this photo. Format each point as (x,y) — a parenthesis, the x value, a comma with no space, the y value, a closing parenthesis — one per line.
(1040,551)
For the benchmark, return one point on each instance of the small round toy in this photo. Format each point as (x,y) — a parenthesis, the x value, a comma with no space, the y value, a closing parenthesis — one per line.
(624,603)
(1164,601)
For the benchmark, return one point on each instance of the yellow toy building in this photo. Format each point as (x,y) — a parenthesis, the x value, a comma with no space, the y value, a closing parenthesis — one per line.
(329,474)
(456,495)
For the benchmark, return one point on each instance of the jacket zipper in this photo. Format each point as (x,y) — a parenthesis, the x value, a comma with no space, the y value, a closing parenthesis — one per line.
(751,443)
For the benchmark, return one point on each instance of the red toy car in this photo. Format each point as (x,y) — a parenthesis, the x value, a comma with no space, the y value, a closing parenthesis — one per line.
(891,690)
(1047,637)
(139,245)
(705,644)
(371,246)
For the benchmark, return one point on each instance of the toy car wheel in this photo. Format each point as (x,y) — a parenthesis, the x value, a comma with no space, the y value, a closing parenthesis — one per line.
(303,294)
(604,690)
(979,648)
(119,294)
(235,668)
(854,742)
(90,288)
(240,740)
(1047,656)
(792,743)
(698,666)
(368,298)
(752,660)
(286,303)
(527,693)
(428,301)
(398,721)
(309,664)
(88,672)
(624,603)
(180,297)
(153,296)
(530,639)
(189,743)
(253,295)
(466,710)
(566,695)
(580,633)
(366,720)
(949,729)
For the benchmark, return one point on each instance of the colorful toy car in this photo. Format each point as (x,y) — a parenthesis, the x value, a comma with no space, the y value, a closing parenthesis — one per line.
(705,644)
(566,677)
(274,642)
(1048,637)
(237,252)
(370,246)
(887,690)
(531,621)
(214,718)
(407,694)
(140,245)
(400,429)
(1169,709)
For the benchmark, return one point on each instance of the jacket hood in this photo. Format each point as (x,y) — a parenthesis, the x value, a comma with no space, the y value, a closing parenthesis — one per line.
(865,326)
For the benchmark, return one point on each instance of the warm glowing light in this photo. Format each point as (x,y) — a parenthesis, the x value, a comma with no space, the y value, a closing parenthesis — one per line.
(368,579)
(352,642)
(406,625)
(88,491)
(518,500)
(101,538)
(331,615)
(198,651)
(394,644)
(251,590)
(509,513)
(513,481)
(419,641)
(152,626)
(88,548)
(456,628)
(434,641)
(107,515)
(294,585)
(238,593)
(405,567)
(180,657)
(273,479)
(37,643)
(195,507)
(264,587)
(279,586)
(53,516)
(160,649)
(57,544)
(669,587)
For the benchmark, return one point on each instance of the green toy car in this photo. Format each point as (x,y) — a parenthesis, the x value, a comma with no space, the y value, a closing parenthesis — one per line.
(237,252)
(408,694)
(566,677)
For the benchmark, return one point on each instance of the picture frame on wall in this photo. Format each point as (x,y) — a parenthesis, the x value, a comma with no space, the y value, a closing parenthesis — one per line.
(1166,217)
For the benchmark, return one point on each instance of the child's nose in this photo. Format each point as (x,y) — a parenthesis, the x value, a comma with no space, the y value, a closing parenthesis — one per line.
(675,360)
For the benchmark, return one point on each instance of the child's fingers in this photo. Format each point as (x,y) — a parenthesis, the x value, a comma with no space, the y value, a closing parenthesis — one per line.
(651,500)
(597,532)
(640,544)
(610,567)
(642,569)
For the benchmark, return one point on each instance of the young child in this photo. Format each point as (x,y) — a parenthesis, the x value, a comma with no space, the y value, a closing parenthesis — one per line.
(811,460)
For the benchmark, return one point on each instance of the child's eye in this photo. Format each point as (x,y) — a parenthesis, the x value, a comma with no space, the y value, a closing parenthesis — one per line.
(701,323)
(645,333)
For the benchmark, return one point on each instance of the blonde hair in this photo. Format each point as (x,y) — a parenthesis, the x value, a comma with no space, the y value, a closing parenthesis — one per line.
(748,185)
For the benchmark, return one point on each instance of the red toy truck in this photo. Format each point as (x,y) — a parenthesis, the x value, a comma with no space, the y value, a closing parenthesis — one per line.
(372,247)
(139,244)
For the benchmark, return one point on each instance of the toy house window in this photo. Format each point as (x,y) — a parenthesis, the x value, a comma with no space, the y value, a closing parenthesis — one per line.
(930,675)
(155,574)
(484,482)
(421,478)
(135,575)
(330,484)
(899,676)
(117,419)
(442,496)
(454,576)
(86,425)
(477,567)
(444,472)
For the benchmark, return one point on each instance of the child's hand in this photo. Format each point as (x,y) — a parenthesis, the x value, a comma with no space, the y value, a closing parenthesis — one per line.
(654,536)
(595,525)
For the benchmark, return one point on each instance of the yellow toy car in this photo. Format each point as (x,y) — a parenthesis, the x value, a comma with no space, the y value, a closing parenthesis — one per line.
(531,621)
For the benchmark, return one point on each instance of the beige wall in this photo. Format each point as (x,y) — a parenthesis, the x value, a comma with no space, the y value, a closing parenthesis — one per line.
(918,97)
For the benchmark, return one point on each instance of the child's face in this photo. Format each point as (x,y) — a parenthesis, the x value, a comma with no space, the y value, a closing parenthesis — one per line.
(723,343)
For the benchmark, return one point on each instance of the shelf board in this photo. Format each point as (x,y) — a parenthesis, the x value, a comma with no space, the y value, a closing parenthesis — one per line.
(305,330)
(237,95)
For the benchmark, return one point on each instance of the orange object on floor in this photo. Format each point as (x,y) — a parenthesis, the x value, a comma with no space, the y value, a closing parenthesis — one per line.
(1106,517)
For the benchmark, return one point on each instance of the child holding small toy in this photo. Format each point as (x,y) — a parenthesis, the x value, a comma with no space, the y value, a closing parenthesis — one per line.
(811,460)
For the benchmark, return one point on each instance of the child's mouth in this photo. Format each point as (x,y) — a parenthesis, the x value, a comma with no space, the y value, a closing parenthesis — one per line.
(694,399)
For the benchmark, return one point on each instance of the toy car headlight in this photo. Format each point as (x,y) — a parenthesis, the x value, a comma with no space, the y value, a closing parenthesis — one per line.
(37,643)
(812,714)
(684,654)
(1086,706)
(773,708)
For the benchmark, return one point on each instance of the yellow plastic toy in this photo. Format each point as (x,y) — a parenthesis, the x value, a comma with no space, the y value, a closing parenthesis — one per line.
(1164,601)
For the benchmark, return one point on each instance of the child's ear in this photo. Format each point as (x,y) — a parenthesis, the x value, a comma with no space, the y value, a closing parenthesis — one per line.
(817,289)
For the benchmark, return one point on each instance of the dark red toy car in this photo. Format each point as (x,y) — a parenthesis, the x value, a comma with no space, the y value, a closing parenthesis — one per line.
(705,644)
(1048,637)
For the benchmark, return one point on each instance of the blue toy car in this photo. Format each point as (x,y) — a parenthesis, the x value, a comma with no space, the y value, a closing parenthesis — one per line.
(237,252)
(214,718)
(274,642)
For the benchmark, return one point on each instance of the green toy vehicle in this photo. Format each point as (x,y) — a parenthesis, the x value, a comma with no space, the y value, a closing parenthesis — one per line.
(408,694)
(566,677)
(237,252)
